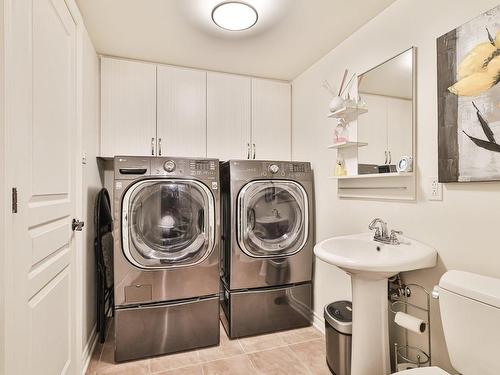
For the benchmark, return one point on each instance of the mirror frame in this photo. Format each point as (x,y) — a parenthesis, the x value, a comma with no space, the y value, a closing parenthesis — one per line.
(386,186)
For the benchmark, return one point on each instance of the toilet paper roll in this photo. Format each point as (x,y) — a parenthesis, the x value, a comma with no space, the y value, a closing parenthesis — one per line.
(410,322)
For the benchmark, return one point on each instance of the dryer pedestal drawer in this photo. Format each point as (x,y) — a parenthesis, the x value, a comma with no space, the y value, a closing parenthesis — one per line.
(161,329)
(257,311)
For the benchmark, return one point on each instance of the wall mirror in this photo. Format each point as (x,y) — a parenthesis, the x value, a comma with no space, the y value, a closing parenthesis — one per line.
(388,92)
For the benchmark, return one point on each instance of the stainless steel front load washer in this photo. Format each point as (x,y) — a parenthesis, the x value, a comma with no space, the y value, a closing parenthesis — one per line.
(166,255)
(267,241)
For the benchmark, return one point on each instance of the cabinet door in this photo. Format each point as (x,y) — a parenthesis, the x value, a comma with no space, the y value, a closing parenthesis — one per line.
(271,120)
(182,116)
(399,128)
(128,107)
(372,129)
(228,116)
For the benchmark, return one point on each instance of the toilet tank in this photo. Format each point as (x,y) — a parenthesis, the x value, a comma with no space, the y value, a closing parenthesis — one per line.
(470,313)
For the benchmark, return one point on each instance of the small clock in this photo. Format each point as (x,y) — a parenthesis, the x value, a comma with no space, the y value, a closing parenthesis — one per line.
(405,164)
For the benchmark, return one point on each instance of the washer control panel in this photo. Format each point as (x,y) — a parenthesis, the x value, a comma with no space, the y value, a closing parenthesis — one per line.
(202,167)
(179,167)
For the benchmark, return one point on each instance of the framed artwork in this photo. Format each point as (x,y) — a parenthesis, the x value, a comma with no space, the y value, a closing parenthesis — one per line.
(468,75)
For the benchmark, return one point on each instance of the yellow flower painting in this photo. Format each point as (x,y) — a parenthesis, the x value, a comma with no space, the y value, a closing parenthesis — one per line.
(479,71)
(468,80)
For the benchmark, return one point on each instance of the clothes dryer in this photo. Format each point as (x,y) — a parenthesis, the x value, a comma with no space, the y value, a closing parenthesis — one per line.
(267,240)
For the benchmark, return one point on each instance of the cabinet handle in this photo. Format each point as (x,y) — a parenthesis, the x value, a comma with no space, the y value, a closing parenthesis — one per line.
(390,157)
(152,146)
(254,150)
(248,150)
(159,146)
(385,162)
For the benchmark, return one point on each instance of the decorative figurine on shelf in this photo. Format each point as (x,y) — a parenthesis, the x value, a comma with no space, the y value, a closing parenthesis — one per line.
(340,167)
(341,133)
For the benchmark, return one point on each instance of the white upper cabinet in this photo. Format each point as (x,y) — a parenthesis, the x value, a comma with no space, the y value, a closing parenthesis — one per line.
(128,108)
(149,109)
(385,127)
(271,120)
(182,112)
(228,116)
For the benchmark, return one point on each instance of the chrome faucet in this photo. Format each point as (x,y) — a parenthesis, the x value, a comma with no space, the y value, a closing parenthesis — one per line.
(382,233)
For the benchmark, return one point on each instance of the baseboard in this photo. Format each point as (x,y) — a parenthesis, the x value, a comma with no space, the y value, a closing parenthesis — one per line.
(89,349)
(318,322)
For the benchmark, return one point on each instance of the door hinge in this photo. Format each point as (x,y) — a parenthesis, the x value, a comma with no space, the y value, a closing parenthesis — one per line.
(14,200)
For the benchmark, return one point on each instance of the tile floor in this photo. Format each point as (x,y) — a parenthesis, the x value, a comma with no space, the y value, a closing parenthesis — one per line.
(297,352)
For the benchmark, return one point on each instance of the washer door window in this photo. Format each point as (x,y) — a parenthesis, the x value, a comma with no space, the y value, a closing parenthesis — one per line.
(168,223)
(273,218)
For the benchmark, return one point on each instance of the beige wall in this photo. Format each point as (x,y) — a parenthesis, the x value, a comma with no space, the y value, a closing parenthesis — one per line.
(463,226)
(91,180)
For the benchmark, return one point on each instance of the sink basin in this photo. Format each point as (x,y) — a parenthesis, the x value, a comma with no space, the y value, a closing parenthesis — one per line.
(360,254)
(370,264)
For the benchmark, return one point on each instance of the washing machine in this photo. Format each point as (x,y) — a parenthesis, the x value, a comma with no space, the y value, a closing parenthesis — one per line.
(166,255)
(267,246)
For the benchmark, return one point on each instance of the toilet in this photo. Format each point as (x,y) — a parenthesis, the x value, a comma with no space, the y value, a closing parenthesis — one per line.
(470,313)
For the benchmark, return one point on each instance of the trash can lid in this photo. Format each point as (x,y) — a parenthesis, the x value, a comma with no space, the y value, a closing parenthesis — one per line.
(339,316)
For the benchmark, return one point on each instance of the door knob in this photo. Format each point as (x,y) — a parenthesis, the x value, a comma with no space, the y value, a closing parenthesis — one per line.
(77,225)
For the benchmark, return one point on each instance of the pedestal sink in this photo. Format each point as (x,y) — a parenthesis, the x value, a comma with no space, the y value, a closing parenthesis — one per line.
(370,264)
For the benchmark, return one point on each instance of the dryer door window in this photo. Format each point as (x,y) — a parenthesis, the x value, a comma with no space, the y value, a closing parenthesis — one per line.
(273,218)
(168,223)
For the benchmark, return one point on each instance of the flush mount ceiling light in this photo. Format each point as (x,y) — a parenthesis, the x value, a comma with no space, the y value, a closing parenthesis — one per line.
(234,16)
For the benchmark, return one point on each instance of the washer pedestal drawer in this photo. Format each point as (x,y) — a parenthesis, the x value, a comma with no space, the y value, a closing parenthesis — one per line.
(258,311)
(152,330)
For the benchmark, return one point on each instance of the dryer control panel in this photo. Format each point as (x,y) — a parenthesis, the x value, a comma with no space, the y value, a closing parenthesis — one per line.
(248,169)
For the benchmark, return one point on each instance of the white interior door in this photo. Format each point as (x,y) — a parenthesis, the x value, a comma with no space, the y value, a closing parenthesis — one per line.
(128,108)
(42,122)
(271,120)
(228,116)
(182,112)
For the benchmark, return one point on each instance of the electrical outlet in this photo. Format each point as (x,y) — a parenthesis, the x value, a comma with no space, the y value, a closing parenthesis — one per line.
(84,158)
(435,189)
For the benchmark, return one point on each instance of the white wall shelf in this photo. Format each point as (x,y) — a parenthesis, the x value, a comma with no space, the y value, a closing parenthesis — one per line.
(347,144)
(350,113)
(373,175)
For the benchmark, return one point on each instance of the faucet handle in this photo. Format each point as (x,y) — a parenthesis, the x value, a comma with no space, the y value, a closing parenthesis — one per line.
(394,236)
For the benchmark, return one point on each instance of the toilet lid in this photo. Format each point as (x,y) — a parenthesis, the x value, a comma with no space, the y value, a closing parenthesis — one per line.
(423,371)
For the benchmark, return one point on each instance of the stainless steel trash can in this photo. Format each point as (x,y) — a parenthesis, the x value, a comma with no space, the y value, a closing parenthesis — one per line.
(338,332)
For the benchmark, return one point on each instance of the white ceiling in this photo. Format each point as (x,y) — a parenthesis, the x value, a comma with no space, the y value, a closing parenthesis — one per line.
(288,38)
